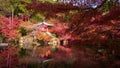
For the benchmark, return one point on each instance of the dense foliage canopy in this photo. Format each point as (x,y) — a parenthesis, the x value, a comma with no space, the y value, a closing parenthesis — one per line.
(60,33)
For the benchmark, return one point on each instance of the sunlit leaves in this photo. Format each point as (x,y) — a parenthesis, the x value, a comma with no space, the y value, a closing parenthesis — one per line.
(7,6)
(51,1)
(9,27)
